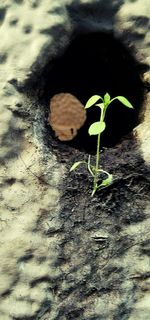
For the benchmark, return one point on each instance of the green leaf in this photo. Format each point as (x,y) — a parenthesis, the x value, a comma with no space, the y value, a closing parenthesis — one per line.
(107,98)
(106,182)
(92,101)
(96,128)
(124,101)
(75,165)
(101,105)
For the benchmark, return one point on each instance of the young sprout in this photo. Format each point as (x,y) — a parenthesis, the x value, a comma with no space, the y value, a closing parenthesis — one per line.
(96,129)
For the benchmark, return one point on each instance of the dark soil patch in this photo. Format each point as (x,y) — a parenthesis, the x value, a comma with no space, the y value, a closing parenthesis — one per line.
(89,259)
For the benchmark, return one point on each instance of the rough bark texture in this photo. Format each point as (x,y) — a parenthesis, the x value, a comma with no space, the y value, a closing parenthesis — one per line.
(65,255)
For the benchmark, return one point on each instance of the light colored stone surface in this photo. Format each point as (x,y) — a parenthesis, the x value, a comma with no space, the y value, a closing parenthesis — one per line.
(33,283)
(27,254)
(143,131)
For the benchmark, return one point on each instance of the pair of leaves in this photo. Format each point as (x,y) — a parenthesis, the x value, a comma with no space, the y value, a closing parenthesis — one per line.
(99,126)
(95,98)
(107,100)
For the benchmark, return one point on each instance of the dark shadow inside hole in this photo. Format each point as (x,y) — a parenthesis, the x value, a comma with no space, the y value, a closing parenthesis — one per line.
(97,63)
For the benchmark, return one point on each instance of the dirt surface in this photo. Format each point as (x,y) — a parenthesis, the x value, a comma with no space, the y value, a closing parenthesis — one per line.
(63,254)
(104,254)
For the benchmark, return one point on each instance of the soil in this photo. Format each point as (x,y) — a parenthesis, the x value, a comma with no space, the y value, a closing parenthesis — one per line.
(96,243)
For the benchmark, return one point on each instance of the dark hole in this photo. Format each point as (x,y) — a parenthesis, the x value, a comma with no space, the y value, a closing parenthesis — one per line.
(97,63)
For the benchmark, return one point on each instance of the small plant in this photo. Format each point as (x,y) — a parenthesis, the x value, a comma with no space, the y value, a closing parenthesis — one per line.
(97,128)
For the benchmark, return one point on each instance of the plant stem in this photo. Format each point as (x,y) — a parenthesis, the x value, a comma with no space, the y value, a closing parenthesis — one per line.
(97,158)
(97,162)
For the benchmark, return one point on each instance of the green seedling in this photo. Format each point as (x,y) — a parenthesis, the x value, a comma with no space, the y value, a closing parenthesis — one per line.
(96,129)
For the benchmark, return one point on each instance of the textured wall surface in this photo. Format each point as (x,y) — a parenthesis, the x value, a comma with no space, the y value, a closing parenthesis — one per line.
(64,256)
